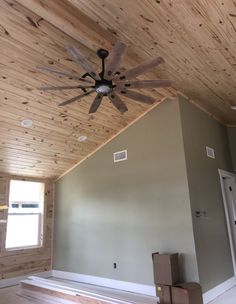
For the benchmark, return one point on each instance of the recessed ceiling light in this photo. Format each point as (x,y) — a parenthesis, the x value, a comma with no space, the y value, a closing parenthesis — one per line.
(82,138)
(233,107)
(26,123)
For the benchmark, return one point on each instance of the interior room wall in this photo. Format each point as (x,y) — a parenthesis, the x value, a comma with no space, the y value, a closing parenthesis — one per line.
(122,212)
(210,231)
(232,144)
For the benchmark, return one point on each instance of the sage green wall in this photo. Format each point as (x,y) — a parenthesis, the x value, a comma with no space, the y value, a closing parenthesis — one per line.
(211,237)
(123,212)
(232,144)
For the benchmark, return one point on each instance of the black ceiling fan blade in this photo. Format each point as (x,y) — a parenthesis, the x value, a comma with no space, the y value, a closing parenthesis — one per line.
(114,60)
(140,69)
(143,84)
(60,73)
(137,96)
(81,60)
(76,98)
(96,103)
(59,88)
(117,102)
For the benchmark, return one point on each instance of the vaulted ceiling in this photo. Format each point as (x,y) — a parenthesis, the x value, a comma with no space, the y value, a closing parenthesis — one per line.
(195,37)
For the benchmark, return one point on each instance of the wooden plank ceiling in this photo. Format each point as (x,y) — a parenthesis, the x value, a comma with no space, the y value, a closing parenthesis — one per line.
(195,37)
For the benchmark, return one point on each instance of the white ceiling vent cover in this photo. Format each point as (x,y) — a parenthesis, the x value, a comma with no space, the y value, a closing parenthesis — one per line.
(210,152)
(120,156)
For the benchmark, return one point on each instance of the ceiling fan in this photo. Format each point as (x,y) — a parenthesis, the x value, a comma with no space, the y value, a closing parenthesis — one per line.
(110,81)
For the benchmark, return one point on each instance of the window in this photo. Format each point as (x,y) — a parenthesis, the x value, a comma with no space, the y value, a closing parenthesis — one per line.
(25,214)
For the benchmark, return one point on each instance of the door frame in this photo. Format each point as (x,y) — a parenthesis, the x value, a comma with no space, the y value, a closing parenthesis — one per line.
(224,174)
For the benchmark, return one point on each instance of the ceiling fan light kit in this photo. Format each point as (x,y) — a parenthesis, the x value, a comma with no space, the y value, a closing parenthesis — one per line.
(109,82)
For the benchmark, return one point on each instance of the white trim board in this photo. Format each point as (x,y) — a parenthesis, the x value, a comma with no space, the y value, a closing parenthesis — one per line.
(121,285)
(215,292)
(69,290)
(137,288)
(15,281)
(104,282)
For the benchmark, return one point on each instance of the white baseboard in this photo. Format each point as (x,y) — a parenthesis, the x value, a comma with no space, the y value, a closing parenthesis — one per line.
(218,290)
(137,288)
(148,290)
(110,283)
(15,281)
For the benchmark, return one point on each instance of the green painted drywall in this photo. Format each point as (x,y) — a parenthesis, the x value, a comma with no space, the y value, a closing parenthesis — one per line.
(232,144)
(109,212)
(211,238)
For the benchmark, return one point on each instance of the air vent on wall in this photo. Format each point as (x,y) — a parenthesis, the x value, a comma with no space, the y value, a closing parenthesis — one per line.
(120,156)
(210,152)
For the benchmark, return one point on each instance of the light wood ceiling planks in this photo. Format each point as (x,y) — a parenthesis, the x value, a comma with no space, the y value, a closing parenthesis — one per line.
(196,39)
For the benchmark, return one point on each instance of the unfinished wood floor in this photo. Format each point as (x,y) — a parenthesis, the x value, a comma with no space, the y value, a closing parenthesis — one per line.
(8,296)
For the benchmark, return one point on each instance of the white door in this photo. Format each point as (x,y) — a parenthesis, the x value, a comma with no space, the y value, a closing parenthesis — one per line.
(228,184)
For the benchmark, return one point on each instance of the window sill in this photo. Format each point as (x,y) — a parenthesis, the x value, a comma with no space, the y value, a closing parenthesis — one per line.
(23,248)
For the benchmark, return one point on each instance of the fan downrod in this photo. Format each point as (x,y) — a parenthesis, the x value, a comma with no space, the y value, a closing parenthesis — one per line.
(102,53)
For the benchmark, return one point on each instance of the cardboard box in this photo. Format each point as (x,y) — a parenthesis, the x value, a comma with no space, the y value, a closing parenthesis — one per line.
(187,293)
(165,268)
(164,294)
